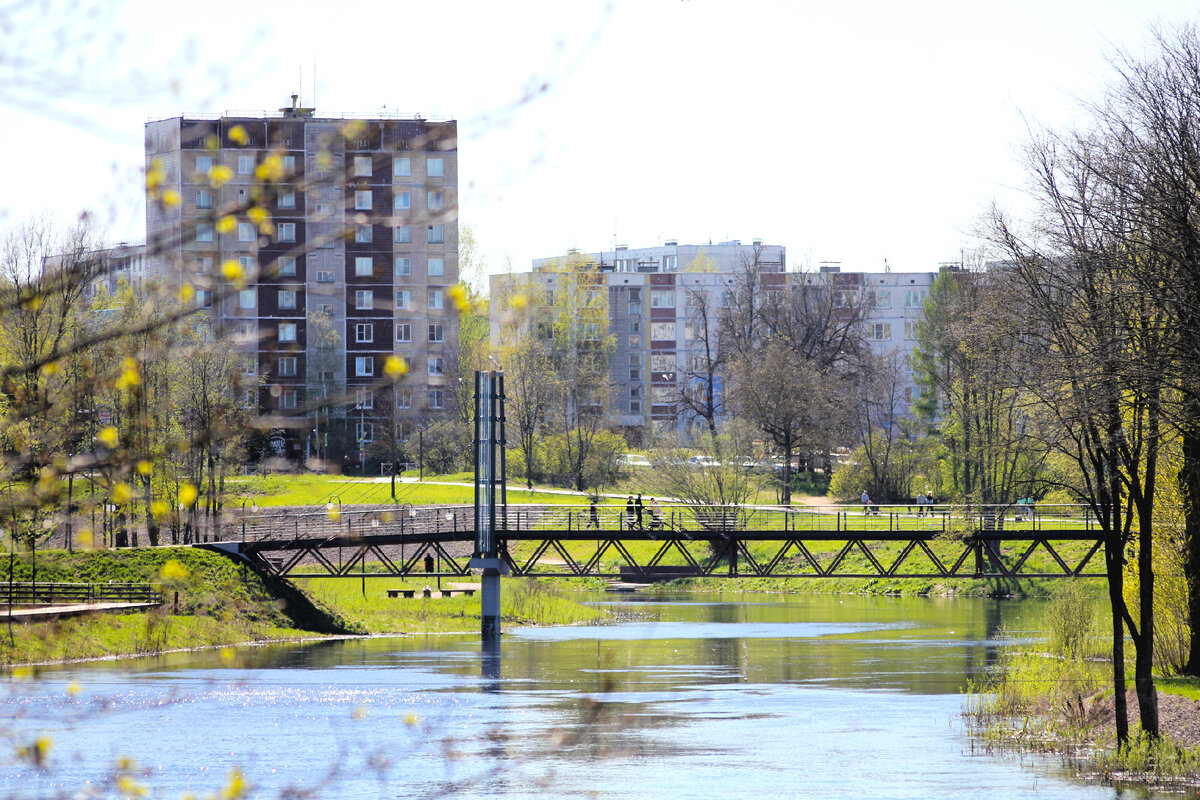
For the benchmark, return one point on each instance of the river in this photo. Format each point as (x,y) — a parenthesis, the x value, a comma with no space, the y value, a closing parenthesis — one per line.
(701,696)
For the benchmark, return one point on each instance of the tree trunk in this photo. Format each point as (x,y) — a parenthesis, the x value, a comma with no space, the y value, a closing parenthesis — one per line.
(1189,484)
(1114,562)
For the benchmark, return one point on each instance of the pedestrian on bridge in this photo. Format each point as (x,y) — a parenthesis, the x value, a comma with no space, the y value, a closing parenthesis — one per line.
(629,512)
(638,507)
(593,515)
(921,503)
(866,502)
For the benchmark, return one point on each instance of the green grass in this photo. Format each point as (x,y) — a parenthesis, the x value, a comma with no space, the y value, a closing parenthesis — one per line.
(211,601)
(1184,687)
(523,602)
(313,490)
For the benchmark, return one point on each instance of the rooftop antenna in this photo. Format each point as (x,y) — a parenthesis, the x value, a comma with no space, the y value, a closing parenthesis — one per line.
(886,268)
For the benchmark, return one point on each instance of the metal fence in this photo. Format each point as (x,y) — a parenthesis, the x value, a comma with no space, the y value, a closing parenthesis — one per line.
(25,593)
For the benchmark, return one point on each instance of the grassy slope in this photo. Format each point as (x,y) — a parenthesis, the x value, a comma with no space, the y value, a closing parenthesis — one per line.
(217,602)
(301,490)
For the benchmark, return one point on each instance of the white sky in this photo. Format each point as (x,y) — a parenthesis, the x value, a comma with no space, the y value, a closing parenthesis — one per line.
(851,131)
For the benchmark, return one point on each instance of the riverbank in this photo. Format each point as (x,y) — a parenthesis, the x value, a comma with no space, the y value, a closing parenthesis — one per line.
(892,586)
(1052,693)
(215,601)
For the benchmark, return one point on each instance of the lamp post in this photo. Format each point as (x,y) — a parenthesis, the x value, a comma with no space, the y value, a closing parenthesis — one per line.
(253,510)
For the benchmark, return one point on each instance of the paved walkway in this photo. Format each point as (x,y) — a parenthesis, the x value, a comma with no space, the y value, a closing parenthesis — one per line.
(39,613)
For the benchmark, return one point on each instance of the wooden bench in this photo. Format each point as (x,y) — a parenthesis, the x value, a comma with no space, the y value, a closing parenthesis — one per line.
(429,592)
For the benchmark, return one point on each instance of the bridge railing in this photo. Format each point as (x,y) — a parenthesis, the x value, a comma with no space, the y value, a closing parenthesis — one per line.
(697,518)
(357,522)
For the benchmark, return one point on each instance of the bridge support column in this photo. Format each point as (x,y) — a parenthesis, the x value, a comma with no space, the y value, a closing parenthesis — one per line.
(489,449)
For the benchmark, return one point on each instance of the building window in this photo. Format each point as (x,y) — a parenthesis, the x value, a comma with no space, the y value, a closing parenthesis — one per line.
(287,398)
(364,366)
(403,266)
(248,299)
(287,266)
(403,234)
(364,300)
(245,165)
(246,232)
(881,331)
(249,264)
(362,200)
(324,276)
(436,333)
(204,298)
(203,198)
(245,331)
(436,366)
(364,266)
(364,398)
(437,234)
(662,298)
(286,200)
(670,262)
(662,331)
(203,165)
(435,168)
(287,367)
(914,298)
(203,265)
(325,308)
(362,166)
(437,399)
(404,299)
(204,232)
(433,201)
(662,363)
(364,332)
(635,309)
(364,432)
(401,167)
(362,234)
(403,201)
(289,164)
(287,231)
(404,398)
(287,331)
(403,332)
(435,299)
(661,395)
(910,330)
(883,298)
(437,267)
(635,341)
(287,299)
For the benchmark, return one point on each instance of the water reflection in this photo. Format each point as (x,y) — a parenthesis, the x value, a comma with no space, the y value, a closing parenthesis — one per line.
(811,696)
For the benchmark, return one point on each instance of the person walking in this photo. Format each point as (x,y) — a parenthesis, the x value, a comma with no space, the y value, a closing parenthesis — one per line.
(629,512)
(638,507)
(656,520)
(866,502)
(921,501)
(593,515)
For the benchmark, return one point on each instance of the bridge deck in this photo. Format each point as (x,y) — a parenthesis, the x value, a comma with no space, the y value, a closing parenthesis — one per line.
(743,541)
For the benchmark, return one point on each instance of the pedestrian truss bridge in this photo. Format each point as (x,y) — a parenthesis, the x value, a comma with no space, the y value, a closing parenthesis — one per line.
(991,542)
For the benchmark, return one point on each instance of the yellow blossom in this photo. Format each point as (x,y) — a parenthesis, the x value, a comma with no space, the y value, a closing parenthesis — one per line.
(172,572)
(73,688)
(395,367)
(170,198)
(271,169)
(186,292)
(458,295)
(238,135)
(410,719)
(353,128)
(121,493)
(51,368)
(219,175)
(232,271)
(143,467)
(228,654)
(226,224)
(155,175)
(108,437)
(187,494)
(235,787)
(159,509)
(518,301)
(211,141)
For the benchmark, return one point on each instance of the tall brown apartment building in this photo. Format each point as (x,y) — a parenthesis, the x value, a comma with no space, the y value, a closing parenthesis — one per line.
(362,240)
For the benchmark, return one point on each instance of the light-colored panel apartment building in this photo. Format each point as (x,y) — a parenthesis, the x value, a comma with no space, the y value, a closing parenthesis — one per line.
(363,238)
(654,319)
